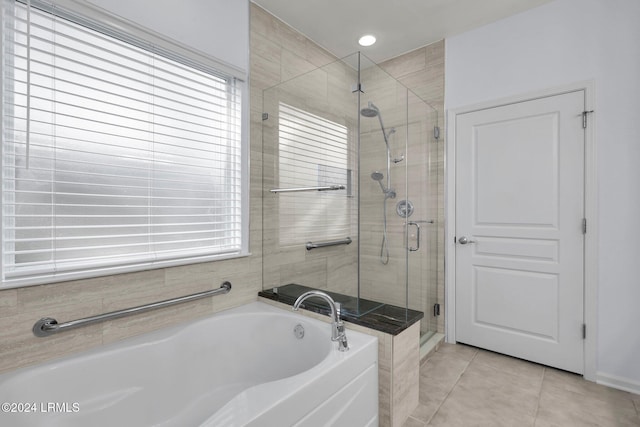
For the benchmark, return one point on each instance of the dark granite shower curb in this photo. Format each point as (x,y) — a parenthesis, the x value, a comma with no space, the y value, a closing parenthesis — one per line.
(381,317)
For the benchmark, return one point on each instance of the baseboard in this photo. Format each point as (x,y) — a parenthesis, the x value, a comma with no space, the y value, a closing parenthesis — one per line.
(620,383)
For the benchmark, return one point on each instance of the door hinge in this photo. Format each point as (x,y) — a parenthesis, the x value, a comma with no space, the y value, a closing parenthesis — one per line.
(436,132)
(584,225)
(265,116)
(436,310)
(584,331)
(584,118)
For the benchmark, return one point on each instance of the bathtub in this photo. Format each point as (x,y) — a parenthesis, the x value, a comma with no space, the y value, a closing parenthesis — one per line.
(247,366)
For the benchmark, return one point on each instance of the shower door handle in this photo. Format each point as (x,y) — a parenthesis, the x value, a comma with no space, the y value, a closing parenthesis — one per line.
(417,236)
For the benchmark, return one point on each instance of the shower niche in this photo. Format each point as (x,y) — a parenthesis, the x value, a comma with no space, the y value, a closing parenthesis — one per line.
(350,192)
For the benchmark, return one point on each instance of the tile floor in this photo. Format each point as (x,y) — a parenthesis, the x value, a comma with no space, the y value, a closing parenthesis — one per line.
(465,386)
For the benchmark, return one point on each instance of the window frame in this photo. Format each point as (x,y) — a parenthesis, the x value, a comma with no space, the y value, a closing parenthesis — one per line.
(100,20)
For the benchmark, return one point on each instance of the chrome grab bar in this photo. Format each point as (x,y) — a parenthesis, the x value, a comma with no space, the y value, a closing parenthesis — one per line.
(48,326)
(311,245)
(323,188)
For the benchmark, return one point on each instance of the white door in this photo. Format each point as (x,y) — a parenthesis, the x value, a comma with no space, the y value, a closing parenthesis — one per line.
(519,229)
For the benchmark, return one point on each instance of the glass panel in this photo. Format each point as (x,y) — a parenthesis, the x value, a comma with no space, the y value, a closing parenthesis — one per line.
(310,140)
(383,174)
(389,206)
(423,208)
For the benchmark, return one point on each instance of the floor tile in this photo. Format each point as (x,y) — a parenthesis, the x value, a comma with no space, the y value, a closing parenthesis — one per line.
(438,376)
(444,367)
(412,422)
(504,373)
(486,395)
(424,412)
(577,384)
(566,404)
(459,350)
(510,365)
(464,386)
(474,405)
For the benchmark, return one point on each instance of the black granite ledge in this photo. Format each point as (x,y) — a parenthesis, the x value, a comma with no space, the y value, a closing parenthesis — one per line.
(381,317)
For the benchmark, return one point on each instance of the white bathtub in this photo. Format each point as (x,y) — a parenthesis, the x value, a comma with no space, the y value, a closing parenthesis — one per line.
(240,367)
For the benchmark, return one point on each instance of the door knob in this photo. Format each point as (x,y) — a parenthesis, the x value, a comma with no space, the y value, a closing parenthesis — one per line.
(463,240)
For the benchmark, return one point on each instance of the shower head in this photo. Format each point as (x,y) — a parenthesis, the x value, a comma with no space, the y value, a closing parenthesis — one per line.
(377,176)
(388,192)
(370,110)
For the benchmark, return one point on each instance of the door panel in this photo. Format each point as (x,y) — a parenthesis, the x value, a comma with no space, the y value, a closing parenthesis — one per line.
(519,199)
(533,297)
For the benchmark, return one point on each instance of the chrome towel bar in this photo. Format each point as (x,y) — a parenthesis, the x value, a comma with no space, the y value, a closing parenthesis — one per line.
(48,326)
(311,245)
(324,188)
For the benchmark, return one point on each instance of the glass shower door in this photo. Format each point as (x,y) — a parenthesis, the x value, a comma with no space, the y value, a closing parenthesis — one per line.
(398,197)
(422,212)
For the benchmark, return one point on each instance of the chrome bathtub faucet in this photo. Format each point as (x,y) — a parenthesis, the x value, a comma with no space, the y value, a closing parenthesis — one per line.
(337,326)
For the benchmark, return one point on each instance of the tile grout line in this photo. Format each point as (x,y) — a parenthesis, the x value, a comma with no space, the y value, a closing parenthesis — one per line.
(420,421)
(535,416)
(454,386)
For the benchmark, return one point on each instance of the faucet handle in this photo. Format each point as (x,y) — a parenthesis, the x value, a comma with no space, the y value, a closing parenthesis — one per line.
(341,337)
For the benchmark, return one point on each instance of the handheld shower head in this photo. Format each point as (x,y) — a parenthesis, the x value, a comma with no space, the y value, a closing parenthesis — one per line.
(388,192)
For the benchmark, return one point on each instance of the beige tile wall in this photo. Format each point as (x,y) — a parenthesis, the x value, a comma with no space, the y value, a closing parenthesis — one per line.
(406,368)
(20,308)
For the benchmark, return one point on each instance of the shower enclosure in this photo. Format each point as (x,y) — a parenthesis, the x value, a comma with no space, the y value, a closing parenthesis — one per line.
(350,188)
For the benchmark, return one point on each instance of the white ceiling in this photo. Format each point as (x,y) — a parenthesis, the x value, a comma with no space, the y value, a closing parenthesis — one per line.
(399,25)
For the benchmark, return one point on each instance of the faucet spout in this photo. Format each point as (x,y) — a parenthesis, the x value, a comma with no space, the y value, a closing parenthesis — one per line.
(337,326)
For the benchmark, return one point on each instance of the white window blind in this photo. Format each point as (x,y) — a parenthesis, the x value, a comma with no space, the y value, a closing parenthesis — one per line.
(113,153)
(312,152)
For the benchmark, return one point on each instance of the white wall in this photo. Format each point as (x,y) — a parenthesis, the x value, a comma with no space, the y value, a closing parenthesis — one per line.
(563,42)
(219,28)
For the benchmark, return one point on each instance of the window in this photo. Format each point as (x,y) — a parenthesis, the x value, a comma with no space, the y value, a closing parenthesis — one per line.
(116,154)
(312,152)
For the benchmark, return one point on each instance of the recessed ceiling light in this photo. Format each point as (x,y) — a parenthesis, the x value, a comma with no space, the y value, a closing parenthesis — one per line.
(367,40)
